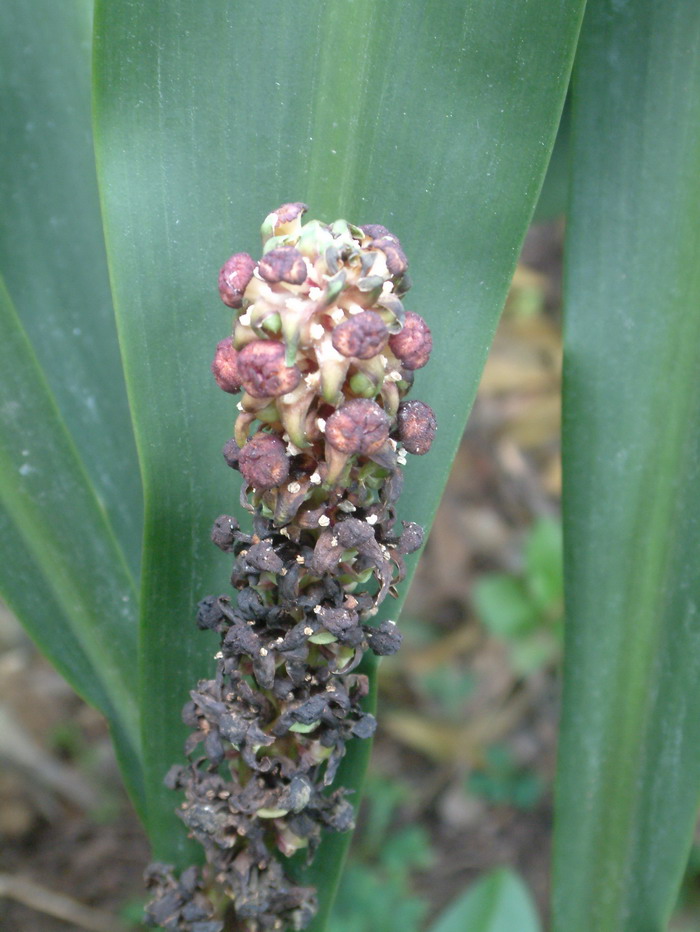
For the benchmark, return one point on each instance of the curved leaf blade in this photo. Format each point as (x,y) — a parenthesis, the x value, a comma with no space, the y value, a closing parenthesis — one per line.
(197,142)
(59,543)
(629,766)
(51,244)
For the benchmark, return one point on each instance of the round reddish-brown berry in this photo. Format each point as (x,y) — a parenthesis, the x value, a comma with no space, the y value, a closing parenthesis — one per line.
(362,336)
(263,461)
(413,343)
(360,426)
(263,371)
(284,264)
(234,277)
(417,426)
(225,367)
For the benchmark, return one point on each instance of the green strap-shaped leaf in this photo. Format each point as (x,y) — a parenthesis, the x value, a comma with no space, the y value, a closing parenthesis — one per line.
(630,742)
(435,119)
(499,902)
(51,246)
(62,569)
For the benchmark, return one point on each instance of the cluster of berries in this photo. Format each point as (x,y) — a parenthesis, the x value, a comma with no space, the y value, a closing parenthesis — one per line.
(324,353)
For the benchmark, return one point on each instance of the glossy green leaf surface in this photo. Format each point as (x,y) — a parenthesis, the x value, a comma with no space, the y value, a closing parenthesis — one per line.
(51,245)
(435,119)
(500,902)
(64,573)
(630,741)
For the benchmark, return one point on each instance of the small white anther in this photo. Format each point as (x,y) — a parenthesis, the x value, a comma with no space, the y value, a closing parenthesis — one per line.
(394,376)
(315,478)
(316,331)
(389,621)
(334,541)
(293,451)
(371,519)
(218,656)
(315,293)
(324,521)
(294,487)
(321,424)
(300,559)
(263,652)
(317,609)
(245,319)
(337,315)
(308,631)
(239,405)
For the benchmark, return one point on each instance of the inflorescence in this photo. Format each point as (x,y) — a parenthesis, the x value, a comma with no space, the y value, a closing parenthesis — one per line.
(324,353)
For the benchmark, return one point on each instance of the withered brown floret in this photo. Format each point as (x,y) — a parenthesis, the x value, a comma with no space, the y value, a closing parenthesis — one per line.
(263,371)
(362,336)
(234,276)
(284,264)
(417,426)
(375,230)
(413,343)
(396,260)
(360,426)
(225,367)
(231,452)
(263,461)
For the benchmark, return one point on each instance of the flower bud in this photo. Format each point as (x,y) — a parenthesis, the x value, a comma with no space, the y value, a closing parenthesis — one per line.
(284,264)
(225,367)
(413,343)
(417,426)
(363,335)
(263,461)
(234,277)
(360,426)
(283,221)
(396,260)
(231,452)
(261,365)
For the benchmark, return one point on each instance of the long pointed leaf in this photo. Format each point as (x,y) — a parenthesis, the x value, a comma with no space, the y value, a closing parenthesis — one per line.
(499,902)
(61,544)
(435,119)
(51,246)
(630,743)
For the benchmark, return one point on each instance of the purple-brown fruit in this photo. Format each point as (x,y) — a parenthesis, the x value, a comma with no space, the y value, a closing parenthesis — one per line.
(225,366)
(360,426)
(263,461)
(362,336)
(413,343)
(284,264)
(234,277)
(263,371)
(417,426)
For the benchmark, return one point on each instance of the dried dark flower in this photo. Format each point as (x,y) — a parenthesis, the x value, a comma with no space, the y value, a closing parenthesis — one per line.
(263,371)
(417,426)
(363,336)
(234,276)
(413,344)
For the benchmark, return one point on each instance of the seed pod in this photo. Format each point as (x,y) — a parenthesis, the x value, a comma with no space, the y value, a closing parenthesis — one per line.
(413,343)
(362,336)
(263,371)
(234,276)
(284,264)
(225,367)
(360,426)
(417,426)
(263,461)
